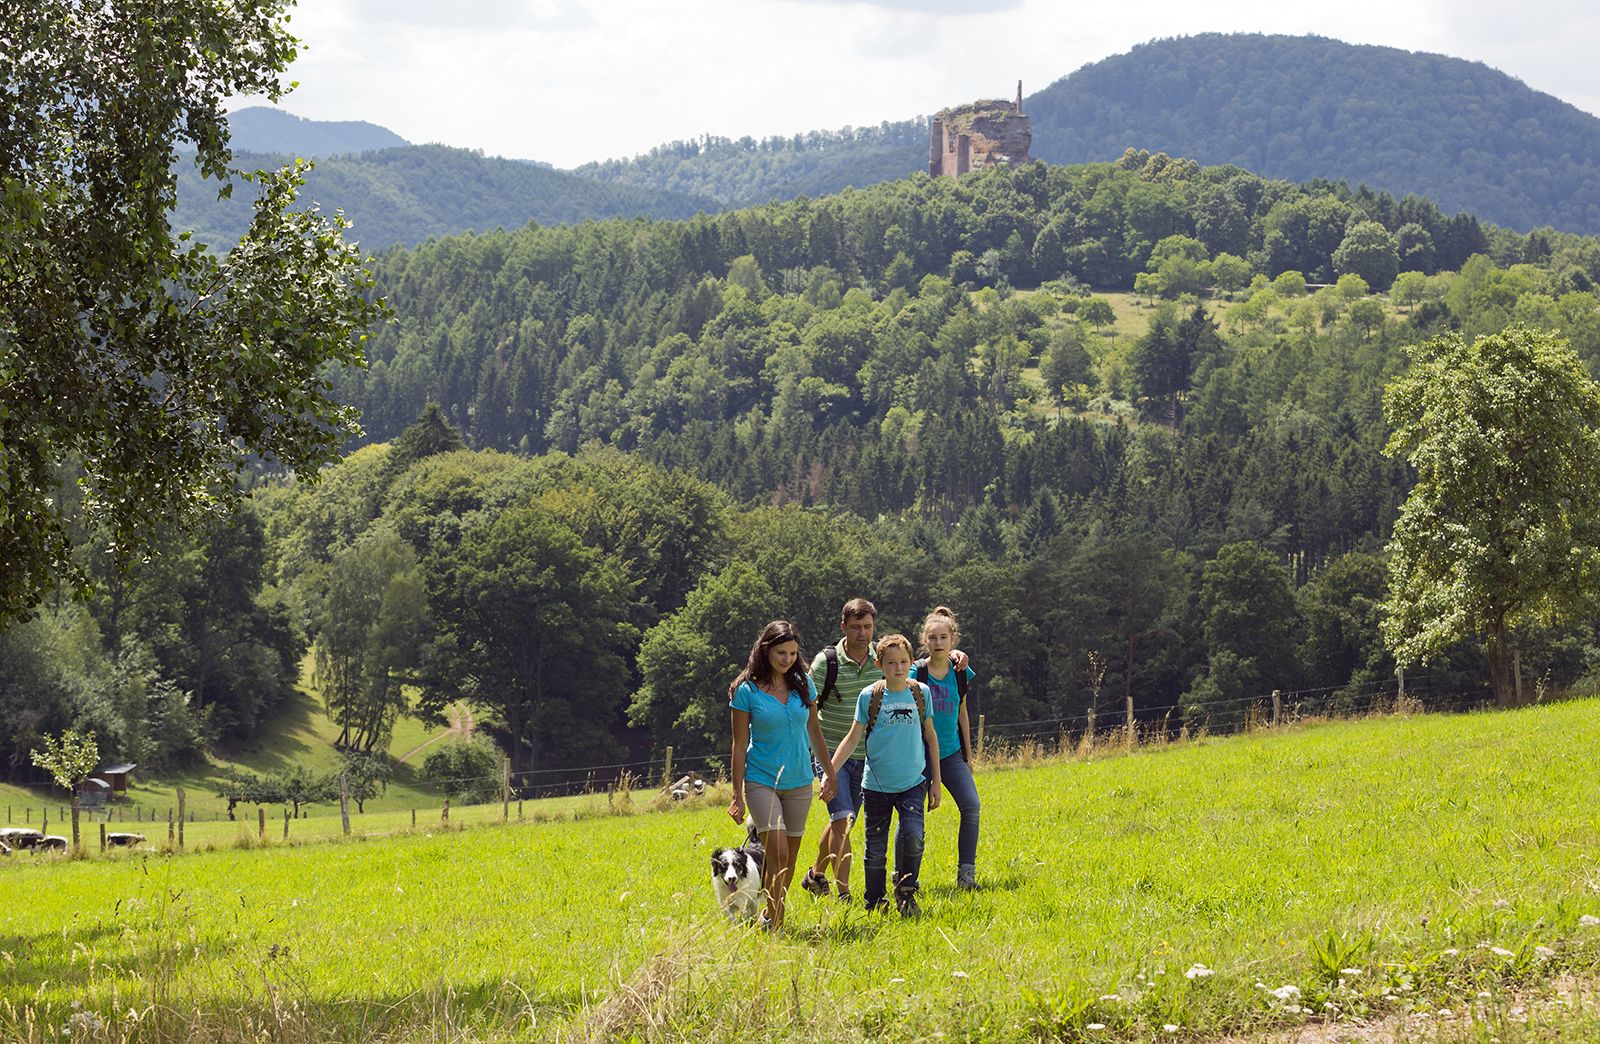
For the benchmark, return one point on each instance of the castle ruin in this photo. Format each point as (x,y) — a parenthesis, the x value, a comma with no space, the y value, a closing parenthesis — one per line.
(983,134)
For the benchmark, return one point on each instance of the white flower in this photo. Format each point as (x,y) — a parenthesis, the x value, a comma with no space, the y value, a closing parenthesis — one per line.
(1292,1009)
(1452,952)
(1352,971)
(1198,971)
(958,975)
(1502,904)
(1286,993)
(1588,920)
(897,980)
(1096,1026)
(1500,951)
(1170,1027)
(1445,1013)
(1483,995)
(1544,953)
(1110,998)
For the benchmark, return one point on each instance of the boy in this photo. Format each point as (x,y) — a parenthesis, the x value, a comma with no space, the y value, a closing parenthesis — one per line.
(901,773)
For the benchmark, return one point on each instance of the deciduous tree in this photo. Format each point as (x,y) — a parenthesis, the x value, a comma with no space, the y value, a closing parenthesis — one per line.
(155,365)
(1503,525)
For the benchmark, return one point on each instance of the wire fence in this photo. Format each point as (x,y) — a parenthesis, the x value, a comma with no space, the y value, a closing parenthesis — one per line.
(568,791)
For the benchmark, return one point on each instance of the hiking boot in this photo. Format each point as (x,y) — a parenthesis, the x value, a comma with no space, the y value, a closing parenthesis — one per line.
(845,896)
(815,883)
(907,904)
(967,878)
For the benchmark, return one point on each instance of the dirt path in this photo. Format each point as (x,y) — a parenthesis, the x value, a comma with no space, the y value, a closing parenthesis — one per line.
(462,727)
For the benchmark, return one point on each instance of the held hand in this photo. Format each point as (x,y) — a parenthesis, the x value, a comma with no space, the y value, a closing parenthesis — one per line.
(736,808)
(830,787)
(933,796)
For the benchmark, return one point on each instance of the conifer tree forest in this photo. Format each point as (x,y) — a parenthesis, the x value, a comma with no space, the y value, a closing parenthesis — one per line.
(1125,419)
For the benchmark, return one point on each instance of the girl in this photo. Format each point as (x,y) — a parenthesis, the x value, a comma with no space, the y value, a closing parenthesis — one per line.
(775,735)
(948,685)
(892,717)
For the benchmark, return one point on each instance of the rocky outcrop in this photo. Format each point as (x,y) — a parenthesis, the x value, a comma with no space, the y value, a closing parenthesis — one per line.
(983,134)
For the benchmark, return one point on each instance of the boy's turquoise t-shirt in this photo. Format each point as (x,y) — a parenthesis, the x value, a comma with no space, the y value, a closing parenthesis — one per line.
(946,707)
(779,755)
(895,752)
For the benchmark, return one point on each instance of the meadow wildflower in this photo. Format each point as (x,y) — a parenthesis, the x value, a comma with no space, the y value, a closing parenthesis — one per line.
(1198,971)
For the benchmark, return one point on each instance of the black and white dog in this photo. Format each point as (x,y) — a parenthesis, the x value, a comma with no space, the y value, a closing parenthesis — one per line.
(736,876)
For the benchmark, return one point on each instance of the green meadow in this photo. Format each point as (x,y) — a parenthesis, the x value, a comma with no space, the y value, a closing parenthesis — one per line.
(1426,877)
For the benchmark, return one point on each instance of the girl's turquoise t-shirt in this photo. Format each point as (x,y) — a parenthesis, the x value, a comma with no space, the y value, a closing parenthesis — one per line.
(779,755)
(946,707)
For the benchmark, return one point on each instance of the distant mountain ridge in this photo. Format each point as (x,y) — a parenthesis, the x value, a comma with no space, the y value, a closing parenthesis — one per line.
(418,192)
(1304,107)
(1293,107)
(273,131)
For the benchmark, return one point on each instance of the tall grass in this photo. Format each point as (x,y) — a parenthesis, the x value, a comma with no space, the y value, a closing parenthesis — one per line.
(1344,871)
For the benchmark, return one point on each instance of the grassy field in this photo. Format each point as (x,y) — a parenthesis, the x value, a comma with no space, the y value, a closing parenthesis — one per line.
(1429,877)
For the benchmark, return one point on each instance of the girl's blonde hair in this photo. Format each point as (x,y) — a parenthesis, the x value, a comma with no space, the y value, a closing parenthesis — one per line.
(890,641)
(941,614)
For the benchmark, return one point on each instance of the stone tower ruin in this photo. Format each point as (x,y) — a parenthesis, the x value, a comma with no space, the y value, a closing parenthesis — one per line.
(983,134)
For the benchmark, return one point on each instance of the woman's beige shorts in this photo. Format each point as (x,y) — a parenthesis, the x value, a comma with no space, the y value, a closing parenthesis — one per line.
(784,810)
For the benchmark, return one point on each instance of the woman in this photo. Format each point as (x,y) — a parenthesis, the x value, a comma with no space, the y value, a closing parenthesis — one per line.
(776,733)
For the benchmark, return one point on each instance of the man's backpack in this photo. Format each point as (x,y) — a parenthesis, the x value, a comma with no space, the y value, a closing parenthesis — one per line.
(920,673)
(830,674)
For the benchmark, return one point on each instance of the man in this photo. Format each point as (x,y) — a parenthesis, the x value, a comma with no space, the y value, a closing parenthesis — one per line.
(858,668)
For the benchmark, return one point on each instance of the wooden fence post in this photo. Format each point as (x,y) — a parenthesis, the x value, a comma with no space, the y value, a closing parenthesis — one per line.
(413,819)
(261,822)
(102,837)
(980,737)
(344,802)
(286,824)
(1400,673)
(1133,726)
(171,829)
(1516,673)
(666,775)
(181,802)
(444,813)
(505,790)
(1277,707)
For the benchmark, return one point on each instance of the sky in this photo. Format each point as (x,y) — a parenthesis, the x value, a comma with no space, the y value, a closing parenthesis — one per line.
(566,82)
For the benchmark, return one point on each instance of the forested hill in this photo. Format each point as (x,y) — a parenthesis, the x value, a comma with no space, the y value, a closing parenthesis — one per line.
(407,195)
(1298,108)
(1467,136)
(741,172)
(273,131)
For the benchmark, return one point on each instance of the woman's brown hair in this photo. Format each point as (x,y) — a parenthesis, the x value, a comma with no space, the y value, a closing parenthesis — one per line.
(759,669)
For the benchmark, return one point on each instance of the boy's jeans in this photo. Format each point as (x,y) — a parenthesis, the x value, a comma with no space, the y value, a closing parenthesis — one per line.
(880,808)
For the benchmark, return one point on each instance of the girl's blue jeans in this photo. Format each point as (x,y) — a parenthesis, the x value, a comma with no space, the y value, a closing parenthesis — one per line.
(956,775)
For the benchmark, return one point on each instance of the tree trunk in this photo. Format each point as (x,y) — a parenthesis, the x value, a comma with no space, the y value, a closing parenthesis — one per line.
(74,819)
(1499,665)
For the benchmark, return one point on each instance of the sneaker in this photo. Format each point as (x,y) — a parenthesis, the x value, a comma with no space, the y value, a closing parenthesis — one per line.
(765,923)
(815,883)
(967,878)
(845,896)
